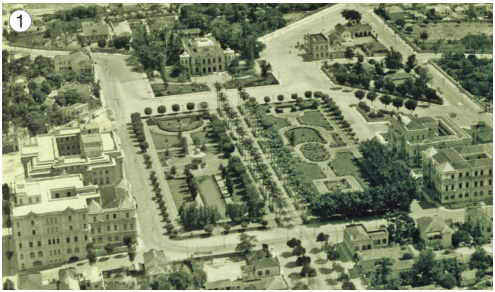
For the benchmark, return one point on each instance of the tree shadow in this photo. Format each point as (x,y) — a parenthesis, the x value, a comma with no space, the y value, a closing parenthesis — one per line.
(290,265)
(103,259)
(286,254)
(119,256)
(325,271)
(331,282)
(295,276)
(321,261)
(315,250)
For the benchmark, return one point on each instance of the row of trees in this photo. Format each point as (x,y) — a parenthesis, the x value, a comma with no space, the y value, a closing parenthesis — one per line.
(138,128)
(392,187)
(198,217)
(386,100)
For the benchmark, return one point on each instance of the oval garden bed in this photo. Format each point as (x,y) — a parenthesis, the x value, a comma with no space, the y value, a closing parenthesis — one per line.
(179,124)
(315,152)
(302,135)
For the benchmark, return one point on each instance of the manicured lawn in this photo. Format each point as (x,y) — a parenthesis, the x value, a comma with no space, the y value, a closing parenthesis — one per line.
(210,193)
(180,191)
(165,141)
(203,137)
(251,82)
(315,118)
(174,89)
(301,135)
(179,124)
(310,170)
(346,164)
(278,123)
(315,152)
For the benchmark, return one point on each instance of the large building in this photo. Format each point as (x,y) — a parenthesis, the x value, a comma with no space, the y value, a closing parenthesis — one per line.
(317,46)
(204,55)
(92,32)
(408,136)
(86,150)
(434,231)
(54,219)
(78,62)
(462,174)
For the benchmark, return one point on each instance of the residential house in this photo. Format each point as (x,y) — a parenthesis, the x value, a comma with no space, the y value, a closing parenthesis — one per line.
(68,279)
(417,16)
(14,138)
(395,12)
(479,9)
(155,264)
(261,267)
(92,32)
(122,29)
(374,49)
(75,61)
(460,10)
(442,10)
(368,68)
(367,259)
(481,219)
(357,238)
(460,174)
(409,136)
(16,56)
(434,231)
(399,78)
(30,281)
(481,133)
(204,55)
(76,111)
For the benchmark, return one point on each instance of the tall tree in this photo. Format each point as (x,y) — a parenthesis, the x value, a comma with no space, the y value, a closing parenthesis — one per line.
(351,15)
(411,63)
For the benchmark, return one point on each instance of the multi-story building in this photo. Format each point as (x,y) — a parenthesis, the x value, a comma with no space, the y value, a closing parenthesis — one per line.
(94,32)
(357,238)
(87,150)
(317,46)
(75,61)
(482,133)
(482,219)
(462,174)
(49,220)
(76,111)
(408,136)
(204,55)
(54,219)
(434,231)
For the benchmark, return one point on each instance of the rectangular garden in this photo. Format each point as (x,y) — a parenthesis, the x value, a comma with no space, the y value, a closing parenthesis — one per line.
(174,89)
(210,192)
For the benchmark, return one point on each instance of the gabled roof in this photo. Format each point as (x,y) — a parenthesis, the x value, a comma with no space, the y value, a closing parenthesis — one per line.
(115,197)
(275,283)
(122,28)
(395,9)
(31,281)
(267,263)
(155,262)
(74,58)
(69,279)
(90,29)
(357,232)
(435,223)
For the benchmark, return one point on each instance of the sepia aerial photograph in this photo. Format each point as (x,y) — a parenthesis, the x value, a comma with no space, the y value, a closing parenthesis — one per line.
(247,146)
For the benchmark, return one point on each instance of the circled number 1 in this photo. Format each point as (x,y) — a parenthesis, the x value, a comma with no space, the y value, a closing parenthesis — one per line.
(20,20)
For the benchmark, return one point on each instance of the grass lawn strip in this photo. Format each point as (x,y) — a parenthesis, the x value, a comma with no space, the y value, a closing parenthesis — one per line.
(315,118)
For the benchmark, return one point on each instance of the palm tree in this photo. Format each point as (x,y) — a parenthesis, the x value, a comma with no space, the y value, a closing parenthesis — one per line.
(240,91)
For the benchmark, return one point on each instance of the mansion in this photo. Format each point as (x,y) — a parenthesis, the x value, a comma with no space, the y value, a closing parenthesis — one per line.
(204,55)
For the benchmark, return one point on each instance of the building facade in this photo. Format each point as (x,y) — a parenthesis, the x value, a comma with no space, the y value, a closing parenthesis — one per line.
(434,231)
(86,150)
(204,55)
(357,238)
(75,61)
(318,46)
(54,219)
(94,32)
(409,136)
(462,174)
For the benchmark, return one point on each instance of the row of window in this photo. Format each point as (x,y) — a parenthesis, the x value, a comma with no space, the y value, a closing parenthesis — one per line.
(114,216)
(481,173)
(109,239)
(54,241)
(50,252)
(466,195)
(476,184)
(115,228)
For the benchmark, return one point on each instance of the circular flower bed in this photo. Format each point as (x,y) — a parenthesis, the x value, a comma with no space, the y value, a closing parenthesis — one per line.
(315,152)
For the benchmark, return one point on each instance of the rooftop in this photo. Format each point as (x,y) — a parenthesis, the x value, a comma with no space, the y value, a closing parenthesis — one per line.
(429,224)
(223,269)
(43,187)
(357,232)
(318,37)
(89,29)
(74,58)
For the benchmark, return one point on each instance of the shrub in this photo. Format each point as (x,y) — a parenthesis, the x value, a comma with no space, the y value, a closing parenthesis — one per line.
(308,94)
(148,111)
(161,109)
(294,96)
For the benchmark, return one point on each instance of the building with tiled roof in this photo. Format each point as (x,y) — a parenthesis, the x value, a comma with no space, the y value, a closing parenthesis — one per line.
(68,279)
(481,133)
(461,174)
(399,77)
(368,259)
(434,231)
(358,238)
(482,219)
(317,46)
(30,281)
(409,136)
(75,61)
(204,55)
(122,29)
(92,32)
(353,31)
(155,264)
(395,12)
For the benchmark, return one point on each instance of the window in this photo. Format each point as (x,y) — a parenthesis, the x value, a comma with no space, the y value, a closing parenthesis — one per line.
(109,238)
(40,254)
(94,218)
(32,221)
(116,238)
(490,182)
(22,256)
(115,227)
(446,198)
(481,193)
(39,243)
(460,175)
(34,232)
(452,176)
(92,230)
(125,226)
(76,250)
(67,239)
(467,185)
(475,184)
(85,237)
(58,240)
(446,188)
(481,172)
(132,226)
(30,244)
(70,217)
(460,185)
(31,255)
(84,226)
(49,242)
(127,215)
(69,250)
(452,187)
(466,195)
(108,217)
(75,238)
(481,183)
(114,216)
(260,273)
(475,194)
(476,173)
(99,229)
(467,174)
(100,240)
(70,227)
(18,234)
(108,228)
(460,196)
(18,224)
